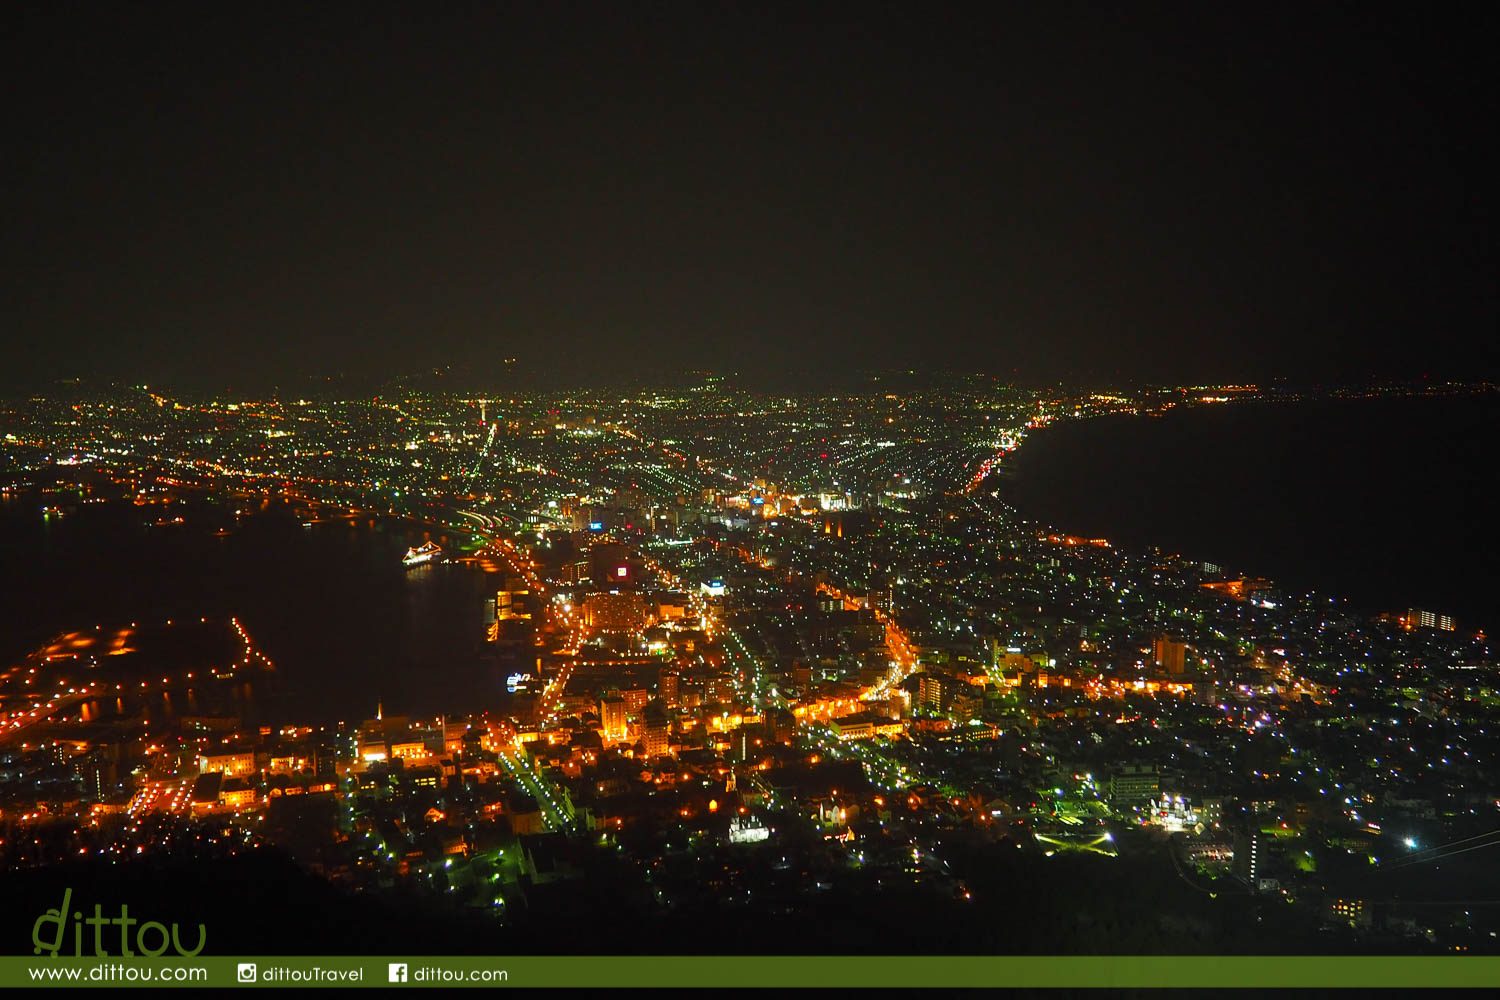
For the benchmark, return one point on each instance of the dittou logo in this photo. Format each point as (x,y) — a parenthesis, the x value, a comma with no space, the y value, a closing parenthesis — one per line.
(96,934)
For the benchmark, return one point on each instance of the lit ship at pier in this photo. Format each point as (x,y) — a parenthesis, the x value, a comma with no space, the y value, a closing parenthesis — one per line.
(427,552)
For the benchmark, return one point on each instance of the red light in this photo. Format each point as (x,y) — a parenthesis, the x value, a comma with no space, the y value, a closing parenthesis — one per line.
(622,571)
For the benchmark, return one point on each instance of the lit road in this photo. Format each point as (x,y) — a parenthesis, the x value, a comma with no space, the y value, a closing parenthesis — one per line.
(554,816)
(882,770)
(750,671)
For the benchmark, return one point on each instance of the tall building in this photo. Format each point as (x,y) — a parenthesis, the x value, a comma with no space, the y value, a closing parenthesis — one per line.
(511,601)
(1169,654)
(1416,618)
(618,612)
(666,688)
(781,725)
(658,730)
(1134,784)
(612,718)
(937,691)
(613,565)
(1248,858)
(745,741)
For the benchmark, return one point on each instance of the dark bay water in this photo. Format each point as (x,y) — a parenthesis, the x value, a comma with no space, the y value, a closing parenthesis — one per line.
(331,604)
(1386,502)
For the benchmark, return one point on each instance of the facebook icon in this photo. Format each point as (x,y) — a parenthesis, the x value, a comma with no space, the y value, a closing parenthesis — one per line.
(398,972)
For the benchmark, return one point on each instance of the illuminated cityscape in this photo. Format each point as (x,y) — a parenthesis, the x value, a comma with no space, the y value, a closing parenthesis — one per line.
(746,648)
(621,495)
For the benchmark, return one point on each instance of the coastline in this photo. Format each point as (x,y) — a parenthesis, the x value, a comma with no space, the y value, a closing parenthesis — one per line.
(1183,483)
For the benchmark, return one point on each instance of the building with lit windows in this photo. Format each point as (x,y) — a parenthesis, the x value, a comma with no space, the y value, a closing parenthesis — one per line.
(865,725)
(1169,655)
(1353,912)
(230,763)
(1134,784)
(625,613)
(613,718)
(658,730)
(1416,618)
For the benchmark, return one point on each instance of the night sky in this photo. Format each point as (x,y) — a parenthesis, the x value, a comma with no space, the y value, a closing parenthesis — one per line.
(245,197)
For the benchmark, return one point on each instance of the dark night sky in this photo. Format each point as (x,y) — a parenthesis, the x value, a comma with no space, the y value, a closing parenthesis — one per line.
(242,196)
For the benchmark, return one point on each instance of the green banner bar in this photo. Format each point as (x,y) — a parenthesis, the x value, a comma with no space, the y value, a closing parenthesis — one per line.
(1195,971)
